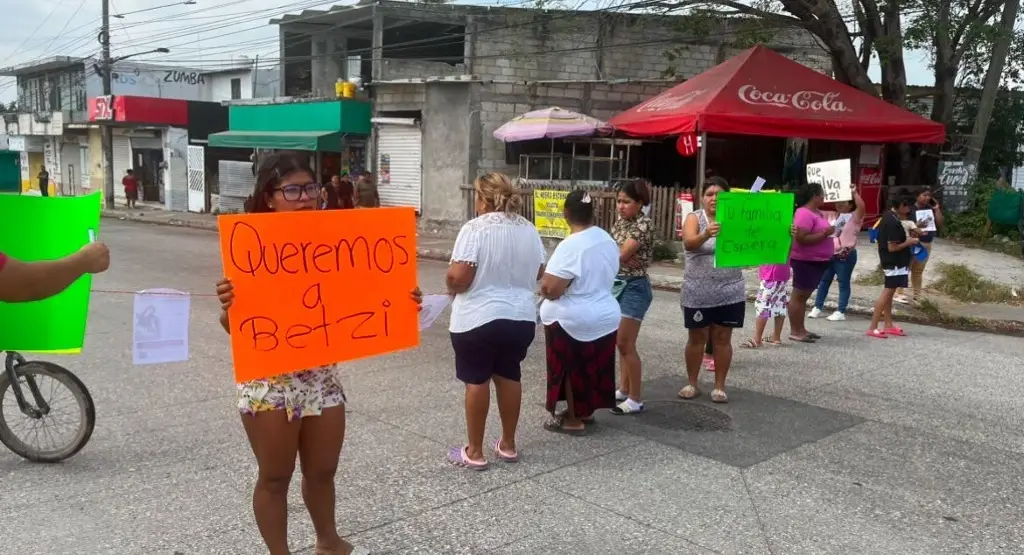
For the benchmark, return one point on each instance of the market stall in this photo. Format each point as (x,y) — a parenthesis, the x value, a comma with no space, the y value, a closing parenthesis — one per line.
(581,158)
(762,93)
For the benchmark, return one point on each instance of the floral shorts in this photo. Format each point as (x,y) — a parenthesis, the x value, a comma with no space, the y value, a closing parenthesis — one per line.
(772,299)
(299,394)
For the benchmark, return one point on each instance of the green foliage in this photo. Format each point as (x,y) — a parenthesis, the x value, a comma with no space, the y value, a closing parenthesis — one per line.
(664,250)
(971,224)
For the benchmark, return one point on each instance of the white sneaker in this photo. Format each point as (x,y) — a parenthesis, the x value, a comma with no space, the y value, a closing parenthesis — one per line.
(836,317)
(814,313)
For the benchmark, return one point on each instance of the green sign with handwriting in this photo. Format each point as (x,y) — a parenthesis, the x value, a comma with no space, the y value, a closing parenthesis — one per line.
(755,229)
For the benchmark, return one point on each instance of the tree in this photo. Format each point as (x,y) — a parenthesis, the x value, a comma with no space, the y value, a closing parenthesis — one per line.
(992,80)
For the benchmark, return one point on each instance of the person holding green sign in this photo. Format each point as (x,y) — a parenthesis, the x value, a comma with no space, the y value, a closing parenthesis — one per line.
(713,299)
(23,282)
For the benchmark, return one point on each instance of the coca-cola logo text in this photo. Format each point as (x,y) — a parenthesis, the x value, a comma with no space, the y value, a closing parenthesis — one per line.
(870,176)
(812,101)
(669,101)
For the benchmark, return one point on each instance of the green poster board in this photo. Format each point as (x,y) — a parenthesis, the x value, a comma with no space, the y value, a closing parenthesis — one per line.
(47,228)
(755,229)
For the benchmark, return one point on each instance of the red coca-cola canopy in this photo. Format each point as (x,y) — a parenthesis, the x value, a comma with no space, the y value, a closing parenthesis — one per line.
(761,92)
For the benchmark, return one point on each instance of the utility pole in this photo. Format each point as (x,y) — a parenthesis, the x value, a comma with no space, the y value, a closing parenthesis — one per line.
(107,135)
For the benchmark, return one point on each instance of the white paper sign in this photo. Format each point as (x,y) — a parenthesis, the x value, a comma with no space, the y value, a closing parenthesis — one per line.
(926,219)
(758,183)
(841,222)
(160,326)
(432,307)
(834,177)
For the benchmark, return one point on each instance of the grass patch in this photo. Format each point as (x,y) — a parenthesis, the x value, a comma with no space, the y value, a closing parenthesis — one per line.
(959,282)
(875,277)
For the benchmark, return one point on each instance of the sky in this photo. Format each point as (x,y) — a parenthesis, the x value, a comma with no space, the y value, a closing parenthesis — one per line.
(207,34)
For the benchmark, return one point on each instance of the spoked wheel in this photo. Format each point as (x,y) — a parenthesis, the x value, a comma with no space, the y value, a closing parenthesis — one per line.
(61,428)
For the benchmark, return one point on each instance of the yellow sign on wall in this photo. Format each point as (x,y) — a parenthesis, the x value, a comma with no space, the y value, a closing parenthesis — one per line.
(548,213)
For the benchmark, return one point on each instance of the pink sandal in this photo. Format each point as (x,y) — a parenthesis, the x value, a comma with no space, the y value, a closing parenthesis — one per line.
(898,332)
(504,456)
(877,334)
(457,456)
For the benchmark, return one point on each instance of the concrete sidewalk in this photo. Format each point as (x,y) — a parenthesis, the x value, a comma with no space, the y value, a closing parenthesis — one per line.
(669,275)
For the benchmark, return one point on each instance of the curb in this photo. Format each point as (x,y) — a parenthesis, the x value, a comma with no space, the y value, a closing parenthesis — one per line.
(941,320)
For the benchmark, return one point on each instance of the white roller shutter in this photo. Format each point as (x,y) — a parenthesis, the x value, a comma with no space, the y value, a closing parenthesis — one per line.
(399,163)
(122,147)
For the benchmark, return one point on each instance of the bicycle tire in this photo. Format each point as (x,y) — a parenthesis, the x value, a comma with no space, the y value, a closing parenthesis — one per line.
(80,394)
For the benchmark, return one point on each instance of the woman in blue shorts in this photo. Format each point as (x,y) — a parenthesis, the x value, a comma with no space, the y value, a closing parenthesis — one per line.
(633,233)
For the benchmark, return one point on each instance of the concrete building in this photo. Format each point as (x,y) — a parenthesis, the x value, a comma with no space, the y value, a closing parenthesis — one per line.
(444,77)
(53,127)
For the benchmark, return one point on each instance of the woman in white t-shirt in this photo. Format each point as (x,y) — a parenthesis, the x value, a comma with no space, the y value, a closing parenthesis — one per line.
(496,262)
(581,319)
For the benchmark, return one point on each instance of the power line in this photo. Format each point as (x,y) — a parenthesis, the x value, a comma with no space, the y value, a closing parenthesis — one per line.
(40,26)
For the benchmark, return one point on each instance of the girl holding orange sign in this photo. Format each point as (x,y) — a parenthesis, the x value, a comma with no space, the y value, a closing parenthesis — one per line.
(298,414)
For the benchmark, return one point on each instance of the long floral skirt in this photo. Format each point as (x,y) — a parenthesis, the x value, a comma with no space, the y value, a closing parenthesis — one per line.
(588,367)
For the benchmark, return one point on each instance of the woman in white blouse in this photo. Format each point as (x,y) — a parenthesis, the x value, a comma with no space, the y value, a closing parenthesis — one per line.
(496,262)
(581,319)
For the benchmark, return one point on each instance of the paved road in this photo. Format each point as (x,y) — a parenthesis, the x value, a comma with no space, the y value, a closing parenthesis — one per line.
(851,446)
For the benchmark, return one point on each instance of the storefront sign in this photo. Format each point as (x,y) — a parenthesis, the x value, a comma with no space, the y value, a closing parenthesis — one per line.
(307,262)
(16,144)
(755,229)
(687,144)
(549,213)
(101,108)
(834,178)
(808,101)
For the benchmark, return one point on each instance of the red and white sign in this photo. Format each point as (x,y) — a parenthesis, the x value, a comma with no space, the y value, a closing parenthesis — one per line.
(101,108)
(869,175)
(684,205)
(811,101)
(687,144)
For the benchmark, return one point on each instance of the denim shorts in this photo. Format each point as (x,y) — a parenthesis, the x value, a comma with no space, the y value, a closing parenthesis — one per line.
(636,297)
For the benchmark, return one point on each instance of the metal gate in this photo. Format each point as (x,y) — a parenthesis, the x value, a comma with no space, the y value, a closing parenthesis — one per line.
(399,167)
(196,178)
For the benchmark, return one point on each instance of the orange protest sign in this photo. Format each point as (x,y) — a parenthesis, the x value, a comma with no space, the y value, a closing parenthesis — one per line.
(318,287)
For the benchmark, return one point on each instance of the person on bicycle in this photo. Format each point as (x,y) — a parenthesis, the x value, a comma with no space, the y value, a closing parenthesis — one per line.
(22,282)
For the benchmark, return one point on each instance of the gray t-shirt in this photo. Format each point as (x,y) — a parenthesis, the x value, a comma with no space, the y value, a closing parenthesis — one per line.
(705,286)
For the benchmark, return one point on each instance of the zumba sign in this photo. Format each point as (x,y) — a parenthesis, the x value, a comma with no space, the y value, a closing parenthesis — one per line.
(803,100)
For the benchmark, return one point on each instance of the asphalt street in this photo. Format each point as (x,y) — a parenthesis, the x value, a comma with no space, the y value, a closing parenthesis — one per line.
(850,446)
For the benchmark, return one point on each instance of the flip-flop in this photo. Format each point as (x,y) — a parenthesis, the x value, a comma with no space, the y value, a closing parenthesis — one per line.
(767,341)
(898,332)
(877,334)
(804,339)
(557,425)
(750,344)
(504,456)
(457,456)
(813,336)
(689,393)
(588,421)
(719,396)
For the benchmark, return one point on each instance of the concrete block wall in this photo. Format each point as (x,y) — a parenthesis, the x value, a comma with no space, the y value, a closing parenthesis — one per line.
(533,46)
(393,69)
(399,97)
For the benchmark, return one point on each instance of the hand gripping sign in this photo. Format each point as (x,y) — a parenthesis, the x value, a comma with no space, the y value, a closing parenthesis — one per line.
(315,288)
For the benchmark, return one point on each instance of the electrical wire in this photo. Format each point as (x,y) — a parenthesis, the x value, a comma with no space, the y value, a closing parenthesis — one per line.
(40,26)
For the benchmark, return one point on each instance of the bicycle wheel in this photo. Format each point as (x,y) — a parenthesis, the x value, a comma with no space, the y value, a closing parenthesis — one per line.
(35,438)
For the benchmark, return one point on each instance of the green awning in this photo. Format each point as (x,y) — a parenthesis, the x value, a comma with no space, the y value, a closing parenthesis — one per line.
(324,141)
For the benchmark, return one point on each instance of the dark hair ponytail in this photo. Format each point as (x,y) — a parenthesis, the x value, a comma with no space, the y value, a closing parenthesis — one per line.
(579,208)
(806,192)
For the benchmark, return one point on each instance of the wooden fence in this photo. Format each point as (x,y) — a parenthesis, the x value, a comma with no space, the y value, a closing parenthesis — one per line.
(663,207)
